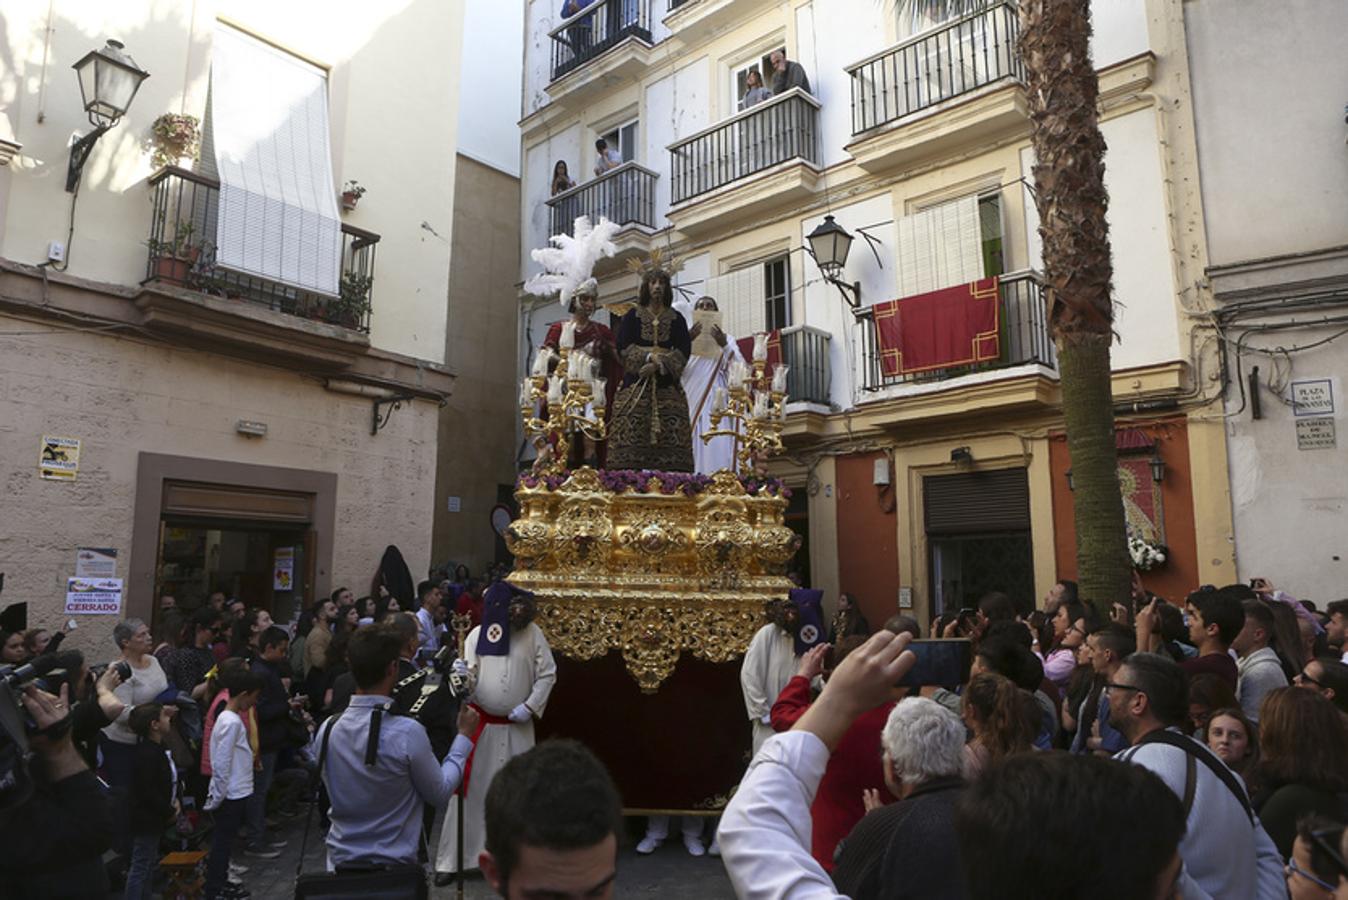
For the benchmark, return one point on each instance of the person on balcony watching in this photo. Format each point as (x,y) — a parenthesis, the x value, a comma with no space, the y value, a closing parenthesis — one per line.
(604,158)
(578,33)
(787,74)
(754,91)
(561,178)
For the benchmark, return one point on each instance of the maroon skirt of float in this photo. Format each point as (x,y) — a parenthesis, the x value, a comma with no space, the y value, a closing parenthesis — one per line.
(681,749)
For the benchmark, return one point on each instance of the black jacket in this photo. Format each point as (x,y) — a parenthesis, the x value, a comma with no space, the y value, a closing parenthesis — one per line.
(151,799)
(273,707)
(54,842)
(439,715)
(905,850)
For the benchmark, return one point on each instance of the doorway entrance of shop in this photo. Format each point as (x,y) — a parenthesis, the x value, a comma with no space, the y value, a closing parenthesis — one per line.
(256,545)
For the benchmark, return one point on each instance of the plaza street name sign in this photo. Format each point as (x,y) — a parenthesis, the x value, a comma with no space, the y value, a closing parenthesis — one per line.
(1316,434)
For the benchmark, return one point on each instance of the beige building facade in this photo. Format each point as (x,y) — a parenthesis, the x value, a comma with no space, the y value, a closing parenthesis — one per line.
(913,491)
(253,372)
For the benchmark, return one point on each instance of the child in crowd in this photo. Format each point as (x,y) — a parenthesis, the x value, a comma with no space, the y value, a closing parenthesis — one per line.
(153,802)
(231,781)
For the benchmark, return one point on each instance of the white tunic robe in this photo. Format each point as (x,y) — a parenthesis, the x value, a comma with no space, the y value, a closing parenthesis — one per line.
(526,675)
(701,378)
(769,664)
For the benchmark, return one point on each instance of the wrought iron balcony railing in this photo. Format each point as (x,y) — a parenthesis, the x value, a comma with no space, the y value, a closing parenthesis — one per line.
(625,195)
(595,30)
(805,350)
(968,53)
(1024,337)
(783,128)
(182,252)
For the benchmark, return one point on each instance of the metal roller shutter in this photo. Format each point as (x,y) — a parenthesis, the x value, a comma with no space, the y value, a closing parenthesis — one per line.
(977,502)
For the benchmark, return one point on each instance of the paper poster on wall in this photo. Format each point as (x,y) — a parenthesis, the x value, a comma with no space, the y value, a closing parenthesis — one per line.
(94,596)
(283,569)
(59,458)
(96,562)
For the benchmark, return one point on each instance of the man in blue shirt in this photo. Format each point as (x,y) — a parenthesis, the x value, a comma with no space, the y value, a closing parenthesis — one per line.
(380,769)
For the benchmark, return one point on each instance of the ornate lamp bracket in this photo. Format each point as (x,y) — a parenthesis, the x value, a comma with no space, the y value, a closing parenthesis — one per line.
(380,419)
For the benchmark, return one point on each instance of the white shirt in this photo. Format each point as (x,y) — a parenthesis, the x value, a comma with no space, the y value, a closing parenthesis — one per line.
(1222,853)
(231,760)
(525,675)
(765,831)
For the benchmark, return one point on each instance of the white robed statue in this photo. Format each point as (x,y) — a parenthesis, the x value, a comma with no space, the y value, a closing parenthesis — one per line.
(706,375)
(515,673)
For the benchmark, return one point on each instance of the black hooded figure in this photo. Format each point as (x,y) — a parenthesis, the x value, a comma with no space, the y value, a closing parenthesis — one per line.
(394,577)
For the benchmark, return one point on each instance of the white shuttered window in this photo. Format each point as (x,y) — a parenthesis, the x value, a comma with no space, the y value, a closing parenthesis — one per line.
(940,247)
(739,295)
(269,129)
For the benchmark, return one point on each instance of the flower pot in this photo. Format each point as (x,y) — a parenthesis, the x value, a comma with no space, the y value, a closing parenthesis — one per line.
(172,269)
(349,200)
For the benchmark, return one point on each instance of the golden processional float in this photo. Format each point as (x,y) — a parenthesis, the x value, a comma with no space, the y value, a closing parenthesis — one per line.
(650,585)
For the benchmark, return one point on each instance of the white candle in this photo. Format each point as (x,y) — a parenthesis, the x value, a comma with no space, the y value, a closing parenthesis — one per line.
(541,361)
(598,387)
(760,406)
(739,373)
(720,400)
(568,339)
(779,379)
(526,393)
(574,363)
(760,347)
(555,389)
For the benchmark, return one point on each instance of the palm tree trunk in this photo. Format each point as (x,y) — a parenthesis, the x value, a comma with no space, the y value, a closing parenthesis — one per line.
(1061,89)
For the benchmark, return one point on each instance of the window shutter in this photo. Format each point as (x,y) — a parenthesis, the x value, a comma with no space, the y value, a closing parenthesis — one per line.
(976,502)
(740,296)
(940,247)
(268,127)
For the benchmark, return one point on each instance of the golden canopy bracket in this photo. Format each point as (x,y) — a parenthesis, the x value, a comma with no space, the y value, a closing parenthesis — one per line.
(649,573)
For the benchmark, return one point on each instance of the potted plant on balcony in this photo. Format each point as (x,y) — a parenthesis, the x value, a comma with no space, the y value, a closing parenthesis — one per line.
(353,301)
(174,140)
(173,260)
(351,194)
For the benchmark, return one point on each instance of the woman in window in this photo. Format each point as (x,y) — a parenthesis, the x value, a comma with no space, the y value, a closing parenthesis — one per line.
(754,90)
(561,179)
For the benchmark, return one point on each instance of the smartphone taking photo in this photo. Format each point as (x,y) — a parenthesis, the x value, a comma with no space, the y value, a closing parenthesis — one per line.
(942,662)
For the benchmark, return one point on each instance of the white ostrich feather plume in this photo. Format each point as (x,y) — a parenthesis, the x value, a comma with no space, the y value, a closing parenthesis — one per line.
(568,262)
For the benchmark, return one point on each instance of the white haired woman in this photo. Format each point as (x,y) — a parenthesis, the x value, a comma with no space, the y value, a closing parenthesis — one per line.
(147,681)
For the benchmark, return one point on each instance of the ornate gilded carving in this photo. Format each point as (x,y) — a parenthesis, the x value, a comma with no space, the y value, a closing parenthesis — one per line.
(650,575)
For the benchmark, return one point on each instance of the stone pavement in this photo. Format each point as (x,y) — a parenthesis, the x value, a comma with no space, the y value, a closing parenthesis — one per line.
(668,873)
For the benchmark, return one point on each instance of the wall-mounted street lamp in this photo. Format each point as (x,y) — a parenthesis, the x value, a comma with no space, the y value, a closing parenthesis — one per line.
(829,245)
(109,79)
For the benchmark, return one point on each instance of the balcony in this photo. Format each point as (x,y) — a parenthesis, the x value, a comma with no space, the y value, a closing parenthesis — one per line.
(580,41)
(1024,338)
(971,65)
(753,162)
(805,349)
(624,196)
(182,254)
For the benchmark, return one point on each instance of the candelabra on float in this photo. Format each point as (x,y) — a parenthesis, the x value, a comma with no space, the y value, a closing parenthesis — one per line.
(570,395)
(754,408)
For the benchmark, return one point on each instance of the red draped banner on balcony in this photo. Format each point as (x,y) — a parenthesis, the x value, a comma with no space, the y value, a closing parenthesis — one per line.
(955,326)
(774,359)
